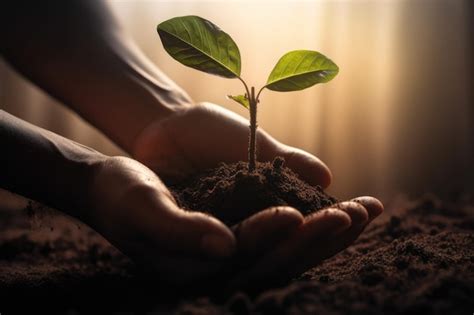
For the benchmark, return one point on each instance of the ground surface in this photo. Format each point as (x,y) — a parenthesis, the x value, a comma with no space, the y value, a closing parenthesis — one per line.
(417,259)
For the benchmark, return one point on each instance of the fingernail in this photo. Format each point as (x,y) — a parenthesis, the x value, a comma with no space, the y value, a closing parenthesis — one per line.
(217,245)
(373,206)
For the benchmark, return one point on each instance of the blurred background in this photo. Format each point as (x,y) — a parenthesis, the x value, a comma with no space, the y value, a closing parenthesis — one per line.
(399,117)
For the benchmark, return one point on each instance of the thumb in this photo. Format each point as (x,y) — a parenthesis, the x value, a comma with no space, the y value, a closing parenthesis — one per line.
(194,233)
(307,166)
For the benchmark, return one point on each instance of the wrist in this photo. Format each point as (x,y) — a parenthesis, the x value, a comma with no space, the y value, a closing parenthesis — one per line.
(46,167)
(161,98)
(144,105)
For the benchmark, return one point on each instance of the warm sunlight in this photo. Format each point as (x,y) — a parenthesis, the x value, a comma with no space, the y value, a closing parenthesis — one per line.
(237,157)
(387,103)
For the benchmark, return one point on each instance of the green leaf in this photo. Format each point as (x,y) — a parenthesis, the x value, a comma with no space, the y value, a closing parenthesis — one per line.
(199,44)
(241,99)
(300,69)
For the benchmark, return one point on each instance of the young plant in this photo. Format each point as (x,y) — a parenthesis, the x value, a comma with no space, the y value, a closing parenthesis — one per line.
(199,44)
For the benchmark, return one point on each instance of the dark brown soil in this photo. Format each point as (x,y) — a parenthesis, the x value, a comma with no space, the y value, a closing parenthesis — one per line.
(418,258)
(232,193)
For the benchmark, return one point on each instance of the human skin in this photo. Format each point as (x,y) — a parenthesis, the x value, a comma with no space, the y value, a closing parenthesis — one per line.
(79,55)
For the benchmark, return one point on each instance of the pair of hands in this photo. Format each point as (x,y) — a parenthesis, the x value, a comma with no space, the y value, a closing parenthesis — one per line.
(134,210)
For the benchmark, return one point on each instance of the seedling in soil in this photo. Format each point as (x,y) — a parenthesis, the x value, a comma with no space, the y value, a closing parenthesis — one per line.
(200,44)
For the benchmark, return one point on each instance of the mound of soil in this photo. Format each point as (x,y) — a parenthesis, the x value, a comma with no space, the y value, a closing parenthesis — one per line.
(418,258)
(231,193)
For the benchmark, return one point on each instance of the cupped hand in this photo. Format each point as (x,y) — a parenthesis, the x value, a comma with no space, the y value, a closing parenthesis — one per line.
(132,208)
(276,243)
(289,246)
(201,136)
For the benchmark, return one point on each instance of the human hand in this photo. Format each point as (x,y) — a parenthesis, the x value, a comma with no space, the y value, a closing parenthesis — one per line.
(277,242)
(130,206)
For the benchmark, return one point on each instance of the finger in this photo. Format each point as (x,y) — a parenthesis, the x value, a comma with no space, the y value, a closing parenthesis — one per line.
(307,166)
(359,219)
(265,229)
(185,232)
(275,265)
(361,213)
(373,206)
(357,212)
(196,232)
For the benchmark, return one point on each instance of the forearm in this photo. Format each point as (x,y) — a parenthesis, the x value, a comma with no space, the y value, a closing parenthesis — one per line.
(76,52)
(46,167)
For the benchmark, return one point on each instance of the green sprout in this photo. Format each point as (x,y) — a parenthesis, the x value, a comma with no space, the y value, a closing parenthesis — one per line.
(200,44)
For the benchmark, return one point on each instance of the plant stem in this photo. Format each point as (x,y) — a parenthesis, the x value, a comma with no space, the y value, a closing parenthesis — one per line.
(258,94)
(253,130)
(245,85)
